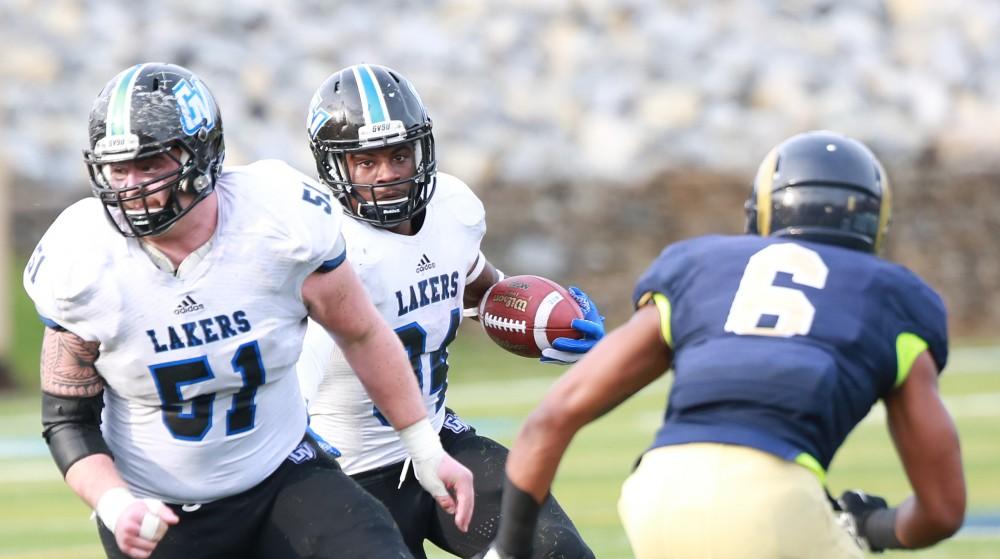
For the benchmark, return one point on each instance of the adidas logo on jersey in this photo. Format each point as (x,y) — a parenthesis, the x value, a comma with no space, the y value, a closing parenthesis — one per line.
(187,305)
(424,264)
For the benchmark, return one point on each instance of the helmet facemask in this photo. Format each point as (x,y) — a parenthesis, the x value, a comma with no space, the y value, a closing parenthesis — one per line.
(144,221)
(379,204)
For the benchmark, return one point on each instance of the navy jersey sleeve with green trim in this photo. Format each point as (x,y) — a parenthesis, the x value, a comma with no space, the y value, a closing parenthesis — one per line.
(920,311)
(783,346)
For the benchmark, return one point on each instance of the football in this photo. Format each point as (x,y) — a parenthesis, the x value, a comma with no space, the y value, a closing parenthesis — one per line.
(524,314)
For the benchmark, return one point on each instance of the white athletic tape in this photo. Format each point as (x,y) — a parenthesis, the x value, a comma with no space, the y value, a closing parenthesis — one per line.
(472,312)
(424,447)
(112,504)
(150,527)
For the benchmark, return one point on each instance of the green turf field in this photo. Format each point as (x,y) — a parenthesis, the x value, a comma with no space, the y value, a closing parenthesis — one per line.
(493,390)
(39,516)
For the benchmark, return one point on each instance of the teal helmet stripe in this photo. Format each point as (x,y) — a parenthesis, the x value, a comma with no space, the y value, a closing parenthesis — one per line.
(372,98)
(119,119)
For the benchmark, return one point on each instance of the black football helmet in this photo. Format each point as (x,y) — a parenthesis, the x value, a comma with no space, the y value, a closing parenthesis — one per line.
(366,107)
(824,187)
(145,111)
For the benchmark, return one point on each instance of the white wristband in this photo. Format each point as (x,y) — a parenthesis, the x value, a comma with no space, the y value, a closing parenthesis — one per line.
(424,447)
(112,504)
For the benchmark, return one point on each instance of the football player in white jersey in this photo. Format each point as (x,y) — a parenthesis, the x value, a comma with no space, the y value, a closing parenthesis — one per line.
(413,238)
(176,300)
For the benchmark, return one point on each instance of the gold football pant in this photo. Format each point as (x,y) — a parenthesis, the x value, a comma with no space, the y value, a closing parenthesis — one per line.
(708,500)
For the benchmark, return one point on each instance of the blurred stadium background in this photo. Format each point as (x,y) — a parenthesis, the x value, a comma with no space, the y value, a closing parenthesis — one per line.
(596,132)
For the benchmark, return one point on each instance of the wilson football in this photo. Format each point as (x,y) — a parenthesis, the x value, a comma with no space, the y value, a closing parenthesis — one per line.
(524,314)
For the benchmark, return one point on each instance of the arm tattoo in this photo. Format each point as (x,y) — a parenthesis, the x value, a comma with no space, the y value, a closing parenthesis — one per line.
(68,365)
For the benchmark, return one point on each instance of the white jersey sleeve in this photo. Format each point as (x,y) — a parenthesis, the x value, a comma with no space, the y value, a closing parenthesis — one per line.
(304,214)
(63,275)
(417,284)
(464,206)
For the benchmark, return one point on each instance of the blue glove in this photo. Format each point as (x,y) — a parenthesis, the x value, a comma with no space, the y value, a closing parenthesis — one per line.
(568,350)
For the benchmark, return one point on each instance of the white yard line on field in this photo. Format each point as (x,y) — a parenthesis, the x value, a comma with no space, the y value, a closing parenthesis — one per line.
(968,405)
(974,360)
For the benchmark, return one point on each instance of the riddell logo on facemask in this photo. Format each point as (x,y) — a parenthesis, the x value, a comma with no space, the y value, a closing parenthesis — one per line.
(187,305)
(424,264)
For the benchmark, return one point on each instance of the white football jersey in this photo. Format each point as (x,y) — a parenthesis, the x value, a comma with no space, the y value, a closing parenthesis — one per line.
(202,401)
(417,283)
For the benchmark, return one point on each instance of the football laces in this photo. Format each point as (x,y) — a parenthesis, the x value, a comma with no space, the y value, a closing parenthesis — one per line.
(500,323)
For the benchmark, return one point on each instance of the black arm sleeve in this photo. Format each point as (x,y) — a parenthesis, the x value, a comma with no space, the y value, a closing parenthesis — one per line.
(72,428)
(519,512)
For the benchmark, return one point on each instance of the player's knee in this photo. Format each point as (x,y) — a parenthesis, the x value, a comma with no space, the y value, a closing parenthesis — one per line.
(560,542)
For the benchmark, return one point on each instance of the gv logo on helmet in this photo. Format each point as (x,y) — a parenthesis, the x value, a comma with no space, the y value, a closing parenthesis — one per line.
(193,100)
(317,116)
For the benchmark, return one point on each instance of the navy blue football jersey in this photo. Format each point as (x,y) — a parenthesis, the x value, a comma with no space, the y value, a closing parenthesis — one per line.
(783,345)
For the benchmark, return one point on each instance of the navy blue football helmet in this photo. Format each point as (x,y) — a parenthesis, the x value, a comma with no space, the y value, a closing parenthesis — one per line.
(824,187)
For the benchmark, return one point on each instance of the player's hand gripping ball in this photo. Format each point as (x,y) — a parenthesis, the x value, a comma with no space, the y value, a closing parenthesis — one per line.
(526,314)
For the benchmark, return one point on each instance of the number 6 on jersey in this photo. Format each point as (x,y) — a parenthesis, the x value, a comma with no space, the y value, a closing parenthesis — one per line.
(757,295)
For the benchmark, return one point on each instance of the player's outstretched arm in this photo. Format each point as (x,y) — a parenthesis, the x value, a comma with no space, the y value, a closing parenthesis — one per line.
(338,302)
(927,442)
(629,358)
(71,407)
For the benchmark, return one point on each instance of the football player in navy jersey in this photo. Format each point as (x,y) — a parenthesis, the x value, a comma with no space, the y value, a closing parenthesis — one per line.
(174,303)
(781,342)
(413,236)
